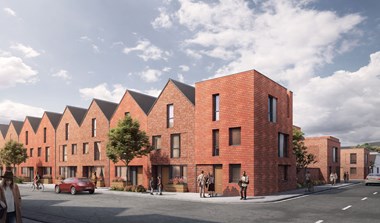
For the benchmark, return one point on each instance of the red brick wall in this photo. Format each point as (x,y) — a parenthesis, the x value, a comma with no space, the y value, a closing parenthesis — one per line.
(322,148)
(12,134)
(362,163)
(183,124)
(128,104)
(32,143)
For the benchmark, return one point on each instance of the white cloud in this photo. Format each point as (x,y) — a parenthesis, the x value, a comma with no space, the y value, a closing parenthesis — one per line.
(166,69)
(163,20)
(153,92)
(9,11)
(148,51)
(14,71)
(95,48)
(184,68)
(181,78)
(64,75)
(150,75)
(26,50)
(102,92)
(345,104)
(284,39)
(10,110)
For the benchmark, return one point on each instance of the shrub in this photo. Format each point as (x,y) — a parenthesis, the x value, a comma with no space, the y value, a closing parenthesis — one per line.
(18,180)
(117,188)
(128,188)
(118,179)
(140,188)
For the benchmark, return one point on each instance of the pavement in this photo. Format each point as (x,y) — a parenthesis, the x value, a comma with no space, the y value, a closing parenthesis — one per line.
(194,197)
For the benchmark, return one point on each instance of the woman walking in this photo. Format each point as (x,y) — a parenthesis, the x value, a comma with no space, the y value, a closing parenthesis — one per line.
(12,199)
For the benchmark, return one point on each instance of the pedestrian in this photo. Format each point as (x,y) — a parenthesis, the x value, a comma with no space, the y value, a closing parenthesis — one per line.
(151,184)
(159,185)
(335,178)
(95,179)
(12,199)
(332,178)
(201,183)
(244,184)
(348,177)
(308,181)
(345,177)
(211,185)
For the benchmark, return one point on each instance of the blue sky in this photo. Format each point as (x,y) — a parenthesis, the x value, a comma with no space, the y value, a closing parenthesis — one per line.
(67,52)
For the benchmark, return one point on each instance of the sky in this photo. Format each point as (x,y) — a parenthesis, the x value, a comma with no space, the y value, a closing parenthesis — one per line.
(67,52)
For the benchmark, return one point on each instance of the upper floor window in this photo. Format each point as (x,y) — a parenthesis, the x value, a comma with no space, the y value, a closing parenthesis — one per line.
(73,149)
(215,142)
(335,154)
(85,148)
(64,153)
(67,131)
(215,107)
(352,158)
(39,151)
(97,151)
(31,152)
(234,139)
(272,109)
(156,141)
(170,116)
(283,141)
(44,135)
(26,137)
(47,154)
(175,145)
(93,127)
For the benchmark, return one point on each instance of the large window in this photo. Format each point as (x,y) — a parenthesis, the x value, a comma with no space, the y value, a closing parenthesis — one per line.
(352,158)
(64,153)
(234,138)
(121,171)
(97,151)
(272,109)
(215,142)
(283,141)
(85,148)
(175,145)
(47,154)
(93,127)
(67,131)
(234,173)
(170,116)
(335,154)
(215,107)
(156,141)
(179,172)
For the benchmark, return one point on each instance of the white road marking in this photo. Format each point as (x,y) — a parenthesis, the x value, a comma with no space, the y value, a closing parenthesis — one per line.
(375,193)
(364,198)
(320,221)
(346,207)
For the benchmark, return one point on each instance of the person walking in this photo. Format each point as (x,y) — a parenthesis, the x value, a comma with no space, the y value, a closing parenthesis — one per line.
(345,177)
(244,184)
(332,178)
(159,185)
(308,181)
(201,183)
(211,185)
(151,184)
(335,178)
(12,198)
(95,179)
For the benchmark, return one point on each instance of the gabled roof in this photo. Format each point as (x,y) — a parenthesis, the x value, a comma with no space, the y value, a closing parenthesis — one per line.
(107,107)
(34,122)
(78,113)
(187,90)
(144,101)
(54,118)
(3,130)
(17,125)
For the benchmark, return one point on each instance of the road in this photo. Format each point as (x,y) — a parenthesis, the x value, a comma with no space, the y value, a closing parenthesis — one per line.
(357,203)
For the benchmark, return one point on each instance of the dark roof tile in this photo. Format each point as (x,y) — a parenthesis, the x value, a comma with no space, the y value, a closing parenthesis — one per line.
(144,101)
(108,108)
(54,118)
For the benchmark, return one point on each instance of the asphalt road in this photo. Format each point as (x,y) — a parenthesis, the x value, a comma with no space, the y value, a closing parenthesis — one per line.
(357,203)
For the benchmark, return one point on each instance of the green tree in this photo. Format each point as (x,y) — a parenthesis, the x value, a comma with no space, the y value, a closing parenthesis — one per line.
(127,141)
(303,158)
(13,154)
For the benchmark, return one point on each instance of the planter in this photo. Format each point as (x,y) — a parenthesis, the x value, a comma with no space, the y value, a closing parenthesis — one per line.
(120,184)
(176,188)
(46,180)
(100,183)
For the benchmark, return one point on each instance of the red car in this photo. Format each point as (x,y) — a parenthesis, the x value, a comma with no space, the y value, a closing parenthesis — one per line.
(74,185)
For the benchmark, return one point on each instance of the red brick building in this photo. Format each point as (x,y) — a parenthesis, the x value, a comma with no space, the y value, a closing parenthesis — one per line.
(356,162)
(3,134)
(327,152)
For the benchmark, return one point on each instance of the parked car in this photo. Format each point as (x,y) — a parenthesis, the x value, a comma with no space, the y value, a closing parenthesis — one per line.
(372,178)
(74,185)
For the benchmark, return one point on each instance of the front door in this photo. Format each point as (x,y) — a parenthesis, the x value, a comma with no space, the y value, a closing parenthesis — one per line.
(31,174)
(218,179)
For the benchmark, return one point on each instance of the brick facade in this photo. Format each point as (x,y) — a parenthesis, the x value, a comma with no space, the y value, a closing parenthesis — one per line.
(322,147)
(355,161)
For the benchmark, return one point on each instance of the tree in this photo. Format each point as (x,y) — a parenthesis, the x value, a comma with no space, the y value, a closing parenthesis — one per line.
(13,153)
(303,158)
(127,141)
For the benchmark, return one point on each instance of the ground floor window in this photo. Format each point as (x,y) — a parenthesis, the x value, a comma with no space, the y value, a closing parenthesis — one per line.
(353,170)
(283,172)
(178,173)
(46,170)
(234,173)
(68,171)
(121,172)
(88,171)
